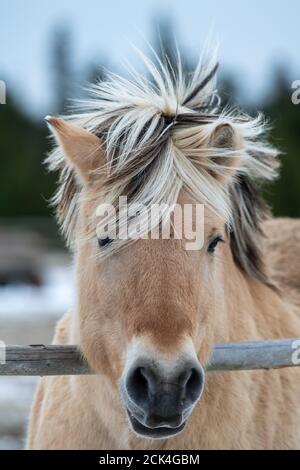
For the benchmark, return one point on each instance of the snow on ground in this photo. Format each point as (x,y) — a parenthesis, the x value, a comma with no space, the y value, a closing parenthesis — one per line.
(16,395)
(19,302)
(28,315)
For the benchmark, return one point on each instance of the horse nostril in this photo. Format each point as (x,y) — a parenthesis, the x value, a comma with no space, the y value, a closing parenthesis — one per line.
(193,384)
(138,383)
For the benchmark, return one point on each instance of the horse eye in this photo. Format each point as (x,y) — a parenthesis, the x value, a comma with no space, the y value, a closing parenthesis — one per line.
(213,244)
(104,241)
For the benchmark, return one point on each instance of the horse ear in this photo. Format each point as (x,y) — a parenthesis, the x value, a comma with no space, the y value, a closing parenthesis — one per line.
(225,137)
(81,148)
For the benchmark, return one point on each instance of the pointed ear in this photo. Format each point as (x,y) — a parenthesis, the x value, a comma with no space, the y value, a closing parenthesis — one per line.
(81,148)
(225,137)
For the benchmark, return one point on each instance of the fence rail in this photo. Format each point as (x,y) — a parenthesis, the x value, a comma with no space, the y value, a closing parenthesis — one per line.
(43,360)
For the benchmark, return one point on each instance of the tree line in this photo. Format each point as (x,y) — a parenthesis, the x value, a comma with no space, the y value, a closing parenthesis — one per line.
(26,186)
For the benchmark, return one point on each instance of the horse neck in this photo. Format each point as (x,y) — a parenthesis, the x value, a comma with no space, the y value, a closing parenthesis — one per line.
(254,310)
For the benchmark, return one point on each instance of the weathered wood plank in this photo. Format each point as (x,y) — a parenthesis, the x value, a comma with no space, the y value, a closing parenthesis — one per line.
(253,355)
(43,360)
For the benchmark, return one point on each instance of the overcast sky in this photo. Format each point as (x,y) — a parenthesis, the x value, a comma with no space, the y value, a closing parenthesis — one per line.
(254,36)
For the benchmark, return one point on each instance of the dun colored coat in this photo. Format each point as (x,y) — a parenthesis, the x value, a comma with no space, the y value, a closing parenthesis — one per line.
(148,312)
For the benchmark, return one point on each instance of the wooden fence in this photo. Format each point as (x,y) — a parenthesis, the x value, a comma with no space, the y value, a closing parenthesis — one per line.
(43,360)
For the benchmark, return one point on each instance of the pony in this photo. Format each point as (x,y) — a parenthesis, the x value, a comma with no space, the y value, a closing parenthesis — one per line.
(148,311)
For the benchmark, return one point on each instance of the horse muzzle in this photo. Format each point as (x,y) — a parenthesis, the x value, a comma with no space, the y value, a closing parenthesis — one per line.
(160,396)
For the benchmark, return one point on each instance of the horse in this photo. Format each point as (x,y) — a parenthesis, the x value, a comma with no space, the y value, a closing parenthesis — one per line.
(148,310)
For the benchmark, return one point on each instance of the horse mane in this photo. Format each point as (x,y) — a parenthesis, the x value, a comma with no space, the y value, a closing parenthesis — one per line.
(156,135)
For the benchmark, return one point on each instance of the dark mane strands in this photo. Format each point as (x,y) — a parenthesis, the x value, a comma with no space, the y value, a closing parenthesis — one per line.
(201,85)
(134,157)
(246,235)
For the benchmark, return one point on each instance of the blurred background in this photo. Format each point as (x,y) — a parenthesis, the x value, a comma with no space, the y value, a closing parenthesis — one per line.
(49,52)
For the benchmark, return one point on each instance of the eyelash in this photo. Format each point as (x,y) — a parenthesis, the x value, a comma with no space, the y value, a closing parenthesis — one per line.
(213,244)
(102,242)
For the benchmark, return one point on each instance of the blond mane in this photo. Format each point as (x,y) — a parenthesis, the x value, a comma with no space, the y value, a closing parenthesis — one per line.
(156,134)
